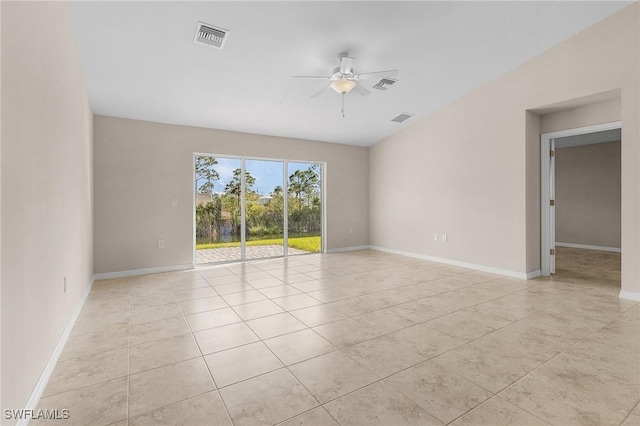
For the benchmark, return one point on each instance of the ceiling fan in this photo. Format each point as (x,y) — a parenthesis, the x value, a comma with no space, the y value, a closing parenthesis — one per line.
(344,79)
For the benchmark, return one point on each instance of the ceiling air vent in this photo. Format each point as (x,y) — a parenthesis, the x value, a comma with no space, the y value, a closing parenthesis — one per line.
(402,117)
(210,35)
(384,83)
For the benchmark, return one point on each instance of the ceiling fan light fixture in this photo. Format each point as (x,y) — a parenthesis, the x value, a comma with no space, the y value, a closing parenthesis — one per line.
(343,85)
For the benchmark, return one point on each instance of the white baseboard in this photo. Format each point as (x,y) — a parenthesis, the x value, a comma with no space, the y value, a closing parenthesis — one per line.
(32,403)
(629,295)
(534,274)
(588,247)
(497,271)
(145,271)
(342,249)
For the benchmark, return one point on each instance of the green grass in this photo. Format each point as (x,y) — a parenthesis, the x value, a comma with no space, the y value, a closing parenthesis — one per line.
(310,244)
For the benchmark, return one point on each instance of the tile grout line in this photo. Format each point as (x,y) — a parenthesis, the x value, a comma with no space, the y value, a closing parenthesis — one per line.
(129,361)
(630,413)
(213,380)
(489,399)
(605,324)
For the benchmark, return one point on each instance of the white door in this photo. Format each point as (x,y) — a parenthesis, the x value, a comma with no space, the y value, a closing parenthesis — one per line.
(552,207)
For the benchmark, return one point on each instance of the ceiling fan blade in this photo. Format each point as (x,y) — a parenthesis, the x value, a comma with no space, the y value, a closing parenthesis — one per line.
(310,76)
(367,75)
(346,64)
(361,90)
(321,91)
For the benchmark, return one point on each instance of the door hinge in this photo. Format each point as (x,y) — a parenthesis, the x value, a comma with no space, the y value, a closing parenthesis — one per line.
(552,252)
(552,153)
(552,202)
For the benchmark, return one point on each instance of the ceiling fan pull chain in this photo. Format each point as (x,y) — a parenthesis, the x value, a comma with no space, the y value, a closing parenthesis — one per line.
(343,105)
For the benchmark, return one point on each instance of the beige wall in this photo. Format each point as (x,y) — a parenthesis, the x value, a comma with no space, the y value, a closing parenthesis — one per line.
(589,113)
(46,149)
(472,169)
(588,195)
(140,166)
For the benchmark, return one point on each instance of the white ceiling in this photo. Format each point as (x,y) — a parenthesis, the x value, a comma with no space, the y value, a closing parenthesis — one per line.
(140,60)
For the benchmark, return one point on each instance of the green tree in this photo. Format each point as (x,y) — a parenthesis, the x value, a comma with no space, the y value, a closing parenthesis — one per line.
(208,218)
(305,182)
(297,185)
(208,215)
(275,209)
(277,191)
(234,187)
(311,182)
(233,191)
(206,172)
(304,185)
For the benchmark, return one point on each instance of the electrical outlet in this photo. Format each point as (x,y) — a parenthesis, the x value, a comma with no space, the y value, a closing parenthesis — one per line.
(65,285)
(444,238)
(174,202)
(435,237)
(351,230)
(160,244)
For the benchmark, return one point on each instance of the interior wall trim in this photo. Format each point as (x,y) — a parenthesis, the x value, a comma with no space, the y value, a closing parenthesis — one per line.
(343,249)
(144,271)
(534,274)
(38,390)
(489,269)
(629,295)
(589,247)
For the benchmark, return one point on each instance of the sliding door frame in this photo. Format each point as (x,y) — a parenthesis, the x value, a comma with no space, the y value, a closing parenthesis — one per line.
(285,207)
(285,190)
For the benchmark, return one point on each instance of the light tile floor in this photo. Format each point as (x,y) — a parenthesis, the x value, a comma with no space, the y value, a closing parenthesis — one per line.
(352,338)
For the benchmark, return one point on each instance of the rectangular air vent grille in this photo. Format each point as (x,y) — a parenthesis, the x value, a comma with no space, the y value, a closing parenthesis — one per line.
(384,83)
(210,35)
(402,117)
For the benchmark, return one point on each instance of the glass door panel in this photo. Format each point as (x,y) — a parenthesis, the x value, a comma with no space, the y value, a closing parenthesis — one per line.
(218,209)
(264,209)
(304,216)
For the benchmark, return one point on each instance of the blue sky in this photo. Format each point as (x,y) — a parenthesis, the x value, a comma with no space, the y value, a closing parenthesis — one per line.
(268,174)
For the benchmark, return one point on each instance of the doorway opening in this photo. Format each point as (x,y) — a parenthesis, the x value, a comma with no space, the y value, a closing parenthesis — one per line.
(581,204)
(252,208)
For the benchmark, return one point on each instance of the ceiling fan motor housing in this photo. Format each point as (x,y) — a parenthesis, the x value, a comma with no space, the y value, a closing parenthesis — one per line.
(337,75)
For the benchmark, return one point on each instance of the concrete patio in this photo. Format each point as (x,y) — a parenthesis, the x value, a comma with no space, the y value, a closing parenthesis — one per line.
(230,254)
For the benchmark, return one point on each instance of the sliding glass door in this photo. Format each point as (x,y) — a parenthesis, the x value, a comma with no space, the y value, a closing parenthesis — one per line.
(256,208)
(305,208)
(218,210)
(264,208)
